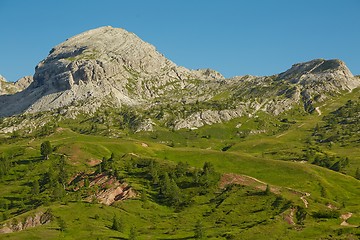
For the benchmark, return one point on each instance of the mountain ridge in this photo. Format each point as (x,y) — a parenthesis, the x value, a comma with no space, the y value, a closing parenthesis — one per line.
(111,67)
(21,84)
(106,117)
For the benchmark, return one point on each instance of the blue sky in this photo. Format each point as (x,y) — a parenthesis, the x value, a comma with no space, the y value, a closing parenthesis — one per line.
(234,37)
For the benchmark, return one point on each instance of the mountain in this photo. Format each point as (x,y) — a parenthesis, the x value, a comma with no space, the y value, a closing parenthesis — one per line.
(104,64)
(110,67)
(111,140)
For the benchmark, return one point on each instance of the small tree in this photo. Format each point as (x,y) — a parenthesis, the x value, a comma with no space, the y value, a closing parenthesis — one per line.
(62,224)
(133,233)
(86,182)
(181,169)
(46,149)
(199,230)
(4,166)
(117,224)
(35,190)
(357,174)
(63,174)
(336,167)
(175,194)
(267,190)
(165,185)
(208,167)
(300,215)
(58,192)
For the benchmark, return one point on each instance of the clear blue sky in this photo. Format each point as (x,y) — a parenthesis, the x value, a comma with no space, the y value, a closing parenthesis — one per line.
(234,37)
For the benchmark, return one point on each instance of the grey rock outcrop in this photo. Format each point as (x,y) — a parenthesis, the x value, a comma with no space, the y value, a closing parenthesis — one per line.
(2,82)
(7,88)
(112,67)
(321,76)
(23,83)
(16,225)
(106,64)
(304,84)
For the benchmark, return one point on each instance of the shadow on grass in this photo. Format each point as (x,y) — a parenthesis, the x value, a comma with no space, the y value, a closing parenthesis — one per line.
(29,161)
(180,238)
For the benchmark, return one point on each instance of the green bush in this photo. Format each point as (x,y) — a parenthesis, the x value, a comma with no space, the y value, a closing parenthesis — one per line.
(326,214)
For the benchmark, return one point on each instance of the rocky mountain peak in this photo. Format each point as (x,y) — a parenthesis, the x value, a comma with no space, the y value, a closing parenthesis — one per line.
(110,67)
(102,65)
(95,53)
(319,77)
(317,66)
(107,44)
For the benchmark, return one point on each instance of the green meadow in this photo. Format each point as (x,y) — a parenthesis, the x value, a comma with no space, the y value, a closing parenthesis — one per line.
(276,153)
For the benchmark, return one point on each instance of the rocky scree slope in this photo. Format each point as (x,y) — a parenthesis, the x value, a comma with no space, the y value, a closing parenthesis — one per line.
(112,67)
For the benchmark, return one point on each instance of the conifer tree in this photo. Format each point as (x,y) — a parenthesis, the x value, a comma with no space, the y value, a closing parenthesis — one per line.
(46,149)
(165,185)
(267,190)
(357,174)
(35,190)
(199,230)
(117,224)
(133,233)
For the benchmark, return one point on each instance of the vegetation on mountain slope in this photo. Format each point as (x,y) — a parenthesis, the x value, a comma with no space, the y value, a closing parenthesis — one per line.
(114,141)
(168,170)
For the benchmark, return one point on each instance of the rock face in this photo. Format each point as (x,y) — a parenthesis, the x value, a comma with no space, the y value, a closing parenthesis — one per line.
(304,84)
(35,220)
(23,83)
(320,76)
(2,83)
(18,86)
(109,189)
(104,64)
(110,67)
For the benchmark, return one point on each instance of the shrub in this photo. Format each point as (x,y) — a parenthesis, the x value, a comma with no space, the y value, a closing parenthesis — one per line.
(326,214)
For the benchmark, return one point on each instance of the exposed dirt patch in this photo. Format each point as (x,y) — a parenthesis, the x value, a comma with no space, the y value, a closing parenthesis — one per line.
(330,206)
(345,217)
(317,109)
(60,129)
(301,125)
(73,152)
(283,134)
(289,218)
(232,178)
(92,162)
(306,203)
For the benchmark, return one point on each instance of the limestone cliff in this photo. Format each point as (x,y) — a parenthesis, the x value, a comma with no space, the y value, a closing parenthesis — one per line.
(111,67)
(13,87)
(101,65)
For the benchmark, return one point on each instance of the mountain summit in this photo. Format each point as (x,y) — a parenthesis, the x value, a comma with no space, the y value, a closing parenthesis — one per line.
(111,67)
(98,65)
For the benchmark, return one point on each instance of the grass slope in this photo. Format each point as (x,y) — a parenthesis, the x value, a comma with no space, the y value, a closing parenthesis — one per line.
(275,154)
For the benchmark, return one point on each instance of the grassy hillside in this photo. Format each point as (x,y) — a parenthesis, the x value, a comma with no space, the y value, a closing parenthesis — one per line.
(261,180)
